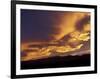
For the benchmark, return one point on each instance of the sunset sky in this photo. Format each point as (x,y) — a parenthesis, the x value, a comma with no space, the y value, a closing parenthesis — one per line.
(71,29)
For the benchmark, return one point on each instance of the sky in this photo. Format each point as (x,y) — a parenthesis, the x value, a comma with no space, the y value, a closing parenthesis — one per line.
(37,25)
(71,30)
(40,25)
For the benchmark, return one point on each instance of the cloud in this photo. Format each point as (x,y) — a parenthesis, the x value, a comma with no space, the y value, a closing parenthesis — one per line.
(69,31)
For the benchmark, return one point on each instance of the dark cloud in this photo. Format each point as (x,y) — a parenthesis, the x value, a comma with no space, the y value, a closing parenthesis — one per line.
(82,22)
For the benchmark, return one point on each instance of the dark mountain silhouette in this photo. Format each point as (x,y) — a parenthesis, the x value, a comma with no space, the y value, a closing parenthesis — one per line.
(57,61)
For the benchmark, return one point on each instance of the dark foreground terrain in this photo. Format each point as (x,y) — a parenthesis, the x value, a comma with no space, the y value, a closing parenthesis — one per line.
(55,62)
